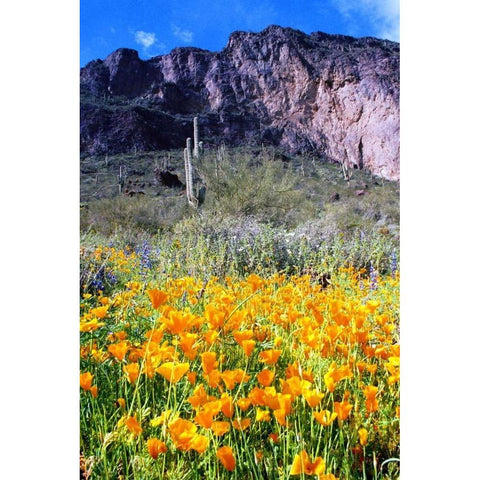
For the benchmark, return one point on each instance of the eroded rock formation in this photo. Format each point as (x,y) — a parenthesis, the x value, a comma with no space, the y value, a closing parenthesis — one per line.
(333,95)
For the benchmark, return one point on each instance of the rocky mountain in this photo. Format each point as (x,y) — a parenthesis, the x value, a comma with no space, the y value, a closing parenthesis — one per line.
(332,95)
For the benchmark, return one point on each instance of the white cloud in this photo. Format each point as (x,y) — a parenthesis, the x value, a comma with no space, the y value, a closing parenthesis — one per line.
(186,36)
(384,15)
(144,38)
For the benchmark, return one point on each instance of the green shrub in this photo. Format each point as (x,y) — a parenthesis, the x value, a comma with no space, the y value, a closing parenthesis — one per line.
(144,213)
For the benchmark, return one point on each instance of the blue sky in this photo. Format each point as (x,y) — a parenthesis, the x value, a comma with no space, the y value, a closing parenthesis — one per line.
(155,27)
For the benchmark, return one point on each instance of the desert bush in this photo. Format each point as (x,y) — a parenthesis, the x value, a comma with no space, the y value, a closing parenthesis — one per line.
(239,184)
(144,213)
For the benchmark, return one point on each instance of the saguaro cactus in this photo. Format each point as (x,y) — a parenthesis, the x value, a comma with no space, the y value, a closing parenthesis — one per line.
(196,149)
(189,174)
(198,199)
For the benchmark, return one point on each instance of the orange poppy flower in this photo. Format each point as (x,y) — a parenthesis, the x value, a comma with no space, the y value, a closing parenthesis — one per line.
(244,403)
(132,371)
(155,447)
(192,377)
(214,316)
(363,436)
(94,391)
(371,402)
(157,297)
(220,428)
(280,414)
(161,419)
(248,346)
(241,423)
(211,336)
(270,357)
(228,408)
(204,418)
(209,361)
(100,312)
(199,443)
(186,344)
(121,402)
(255,282)
(133,425)
(173,372)
(182,432)
(213,379)
(241,335)
(342,409)
(324,417)
(86,380)
(155,335)
(226,457)
(119,350)
(262,415)
(178,321)
(274,437)
(302,464)
(336,374)
(313,397)
(265,377)
(199,396)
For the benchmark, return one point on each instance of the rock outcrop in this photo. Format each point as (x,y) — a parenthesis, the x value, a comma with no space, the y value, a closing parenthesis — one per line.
(333,95)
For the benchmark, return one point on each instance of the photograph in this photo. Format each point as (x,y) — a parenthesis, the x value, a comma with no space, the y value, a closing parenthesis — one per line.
(239,233)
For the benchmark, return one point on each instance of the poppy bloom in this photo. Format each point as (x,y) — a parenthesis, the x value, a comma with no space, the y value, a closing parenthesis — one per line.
(248,346)
(244,403)
(226,457)
(192,377)
(274,437)
(155,447)
(99,312)
(313,397)
(86,380)
(232,377)
(302,464)
(132,371)
(157,297)
(228,408)
(182,432)
(265,377)
(241,423)
(262,415)
(371,402)
(94,391)
(211,336)
(270,357)
(162,419)
(255,282)
(173,372)
(220,428)
(280,414)
(241,335)
(209,361)
(363,436)
(133,425)
(342,409)
(199,443)
(118,350)
(324,417)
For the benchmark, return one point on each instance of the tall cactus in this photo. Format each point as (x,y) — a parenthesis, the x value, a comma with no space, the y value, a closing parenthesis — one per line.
(198,199)
(196,149)
(192,200)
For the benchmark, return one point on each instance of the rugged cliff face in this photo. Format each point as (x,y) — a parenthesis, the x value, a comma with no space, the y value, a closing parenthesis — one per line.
(333,95)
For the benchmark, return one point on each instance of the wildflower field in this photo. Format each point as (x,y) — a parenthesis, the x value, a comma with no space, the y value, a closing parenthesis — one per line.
(265,374)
